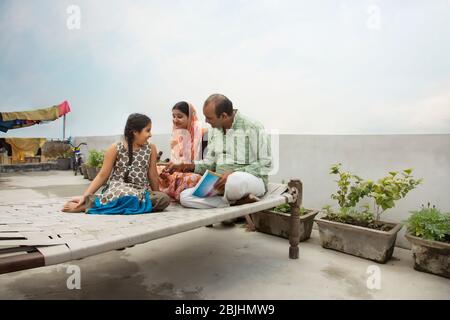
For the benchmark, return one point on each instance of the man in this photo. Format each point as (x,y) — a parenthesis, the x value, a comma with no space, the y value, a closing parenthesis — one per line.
(238,150)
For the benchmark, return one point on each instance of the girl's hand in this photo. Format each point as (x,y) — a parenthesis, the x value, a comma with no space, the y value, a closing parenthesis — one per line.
(76,199)
(168,167)
(74,204)
(80,201)
(173,167)
(164,175)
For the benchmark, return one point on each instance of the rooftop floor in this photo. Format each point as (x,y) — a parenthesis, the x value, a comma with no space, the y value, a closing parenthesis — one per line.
(217,263)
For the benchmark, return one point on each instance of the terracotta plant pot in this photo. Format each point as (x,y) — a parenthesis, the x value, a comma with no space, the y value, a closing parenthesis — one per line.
(278,223)
(359,241)
(430,256)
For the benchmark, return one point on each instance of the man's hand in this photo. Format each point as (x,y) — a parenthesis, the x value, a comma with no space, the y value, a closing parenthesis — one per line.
(220,184)
(181,167)
(172,167)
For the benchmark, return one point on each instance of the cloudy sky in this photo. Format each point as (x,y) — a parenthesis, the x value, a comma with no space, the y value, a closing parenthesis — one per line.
(302,67)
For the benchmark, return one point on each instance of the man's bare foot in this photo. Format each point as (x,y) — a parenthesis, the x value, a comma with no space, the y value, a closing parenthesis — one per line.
(248,199)
(73,207)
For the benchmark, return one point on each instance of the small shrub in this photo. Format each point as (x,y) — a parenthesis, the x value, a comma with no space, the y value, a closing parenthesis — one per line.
(430,224)
(286,208)
(352,189)
(358,217)
(391,188)
(95,159)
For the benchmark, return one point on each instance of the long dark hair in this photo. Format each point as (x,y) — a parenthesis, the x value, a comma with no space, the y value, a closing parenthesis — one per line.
(135,123)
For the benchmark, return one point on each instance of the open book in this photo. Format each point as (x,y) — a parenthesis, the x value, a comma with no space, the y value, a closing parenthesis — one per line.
(205,187)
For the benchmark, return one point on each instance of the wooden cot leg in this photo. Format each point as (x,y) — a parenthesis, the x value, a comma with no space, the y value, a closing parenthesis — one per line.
(250,224)
(296,189)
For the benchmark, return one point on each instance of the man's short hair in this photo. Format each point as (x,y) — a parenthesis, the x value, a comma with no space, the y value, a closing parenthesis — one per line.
(222,104)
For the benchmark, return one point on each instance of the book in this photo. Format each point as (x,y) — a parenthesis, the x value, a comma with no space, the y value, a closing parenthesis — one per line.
(205,187)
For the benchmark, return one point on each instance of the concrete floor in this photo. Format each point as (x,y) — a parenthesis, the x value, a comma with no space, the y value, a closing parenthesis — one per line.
(218,263)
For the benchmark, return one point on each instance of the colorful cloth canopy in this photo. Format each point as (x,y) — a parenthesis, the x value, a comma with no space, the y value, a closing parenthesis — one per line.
(20,119)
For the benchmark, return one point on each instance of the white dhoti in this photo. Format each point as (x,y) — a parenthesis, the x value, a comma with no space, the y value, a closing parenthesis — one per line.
(238,185)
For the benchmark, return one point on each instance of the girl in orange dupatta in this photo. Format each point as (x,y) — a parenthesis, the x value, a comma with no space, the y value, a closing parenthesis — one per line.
(186,146)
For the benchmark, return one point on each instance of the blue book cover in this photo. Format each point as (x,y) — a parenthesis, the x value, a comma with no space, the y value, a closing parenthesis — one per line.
(205,187)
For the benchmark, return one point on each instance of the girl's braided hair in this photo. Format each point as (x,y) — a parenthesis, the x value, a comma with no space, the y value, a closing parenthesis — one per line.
(135,123)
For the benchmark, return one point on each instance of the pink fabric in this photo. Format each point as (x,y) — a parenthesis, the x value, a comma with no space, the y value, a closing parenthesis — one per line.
(185,148)
(186,145)
(64,108)
(175,183)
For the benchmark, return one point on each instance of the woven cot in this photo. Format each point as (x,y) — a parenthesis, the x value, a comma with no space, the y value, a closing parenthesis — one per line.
(35,235)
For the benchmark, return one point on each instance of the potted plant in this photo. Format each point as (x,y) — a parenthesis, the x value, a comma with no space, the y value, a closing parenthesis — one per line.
(58,153)
(94,163)
(278,220)
(356,229)
(64,160)
(100,159)
(428,230)
(84,168)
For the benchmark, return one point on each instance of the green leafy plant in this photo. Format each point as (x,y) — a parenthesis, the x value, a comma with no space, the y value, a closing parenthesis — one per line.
(430,224)
(352,190)
(364,218)
(391,188)
(286,208)
(95,159)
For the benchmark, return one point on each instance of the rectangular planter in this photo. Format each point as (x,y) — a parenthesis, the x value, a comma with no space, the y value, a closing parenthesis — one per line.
(278,224)
(92,172)
(430,256)
(63,163)
(362,242)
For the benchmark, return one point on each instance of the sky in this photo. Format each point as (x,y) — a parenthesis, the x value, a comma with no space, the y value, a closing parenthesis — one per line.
(300,67)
